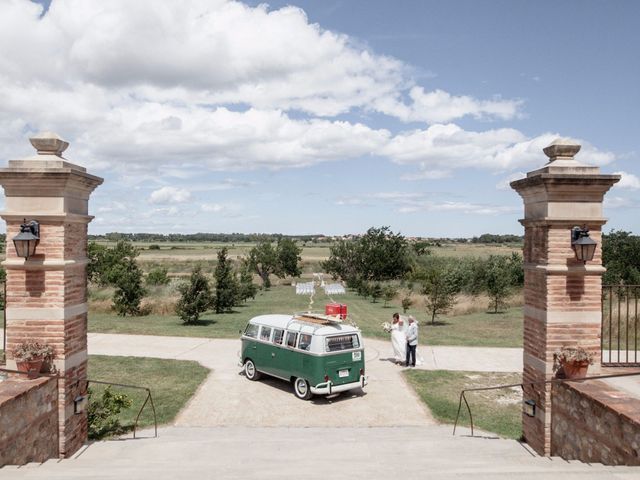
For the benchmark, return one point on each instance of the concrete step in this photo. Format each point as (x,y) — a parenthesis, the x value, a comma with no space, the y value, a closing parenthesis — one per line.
(265,453)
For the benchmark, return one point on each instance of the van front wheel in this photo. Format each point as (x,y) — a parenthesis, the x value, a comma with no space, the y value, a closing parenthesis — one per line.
(302,389)
(250,370)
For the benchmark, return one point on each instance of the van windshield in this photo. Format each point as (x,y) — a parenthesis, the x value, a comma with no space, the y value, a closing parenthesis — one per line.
(342,342)
(251,331)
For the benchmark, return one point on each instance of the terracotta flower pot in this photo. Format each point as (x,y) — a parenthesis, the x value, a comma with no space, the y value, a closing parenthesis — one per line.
(575,369)
(32,367)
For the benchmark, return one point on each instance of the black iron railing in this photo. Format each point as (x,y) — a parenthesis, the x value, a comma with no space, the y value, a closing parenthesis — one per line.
(620,325)
(148,400)
(463,397)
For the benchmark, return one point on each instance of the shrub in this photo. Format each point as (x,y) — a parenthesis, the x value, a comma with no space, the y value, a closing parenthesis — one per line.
(406,303)
(375,292)
(196,297)
(227,288)
(498,281)
(154,247)
(117,267)
(103,413)
(129,290)
(158,276)
(440,281)
(388,293)
(248,289)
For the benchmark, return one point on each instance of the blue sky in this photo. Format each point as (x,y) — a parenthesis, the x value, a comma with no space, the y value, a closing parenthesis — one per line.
(319,116)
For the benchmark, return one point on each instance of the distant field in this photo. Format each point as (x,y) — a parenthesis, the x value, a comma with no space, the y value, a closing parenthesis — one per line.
(180,257)
(475,249)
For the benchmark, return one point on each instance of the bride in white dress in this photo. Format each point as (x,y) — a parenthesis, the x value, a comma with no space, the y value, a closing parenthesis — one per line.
(398,339)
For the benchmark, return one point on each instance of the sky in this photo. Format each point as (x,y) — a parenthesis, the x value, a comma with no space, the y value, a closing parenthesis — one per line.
(322,116)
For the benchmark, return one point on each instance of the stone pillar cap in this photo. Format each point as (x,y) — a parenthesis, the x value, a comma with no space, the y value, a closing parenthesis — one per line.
(49,143)
(561,148)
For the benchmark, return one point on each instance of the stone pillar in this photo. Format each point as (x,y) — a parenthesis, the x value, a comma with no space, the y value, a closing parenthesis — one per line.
(562,296)
(47,293)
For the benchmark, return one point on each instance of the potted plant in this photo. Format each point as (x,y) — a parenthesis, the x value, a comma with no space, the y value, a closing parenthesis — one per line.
(30,356)
(573,362)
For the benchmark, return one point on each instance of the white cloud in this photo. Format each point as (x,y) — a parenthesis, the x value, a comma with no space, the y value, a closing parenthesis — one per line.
(448,147)
(459,207)
(434,174)
(413,202)
(504,184)
(618,202)
(148,85)
(628,181)
(169,195)
(439,106)
(211,207)
(158,91)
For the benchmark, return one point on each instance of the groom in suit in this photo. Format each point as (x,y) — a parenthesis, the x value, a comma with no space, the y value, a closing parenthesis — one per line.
(412,342)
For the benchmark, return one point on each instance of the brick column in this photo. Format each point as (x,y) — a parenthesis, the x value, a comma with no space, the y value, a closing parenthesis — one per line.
(562,296)
(47,294)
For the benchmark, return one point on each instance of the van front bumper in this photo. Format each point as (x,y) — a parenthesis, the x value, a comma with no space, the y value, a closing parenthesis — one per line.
(328,388)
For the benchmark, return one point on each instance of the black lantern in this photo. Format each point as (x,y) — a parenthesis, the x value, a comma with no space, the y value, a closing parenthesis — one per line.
(28,238)
(583,246)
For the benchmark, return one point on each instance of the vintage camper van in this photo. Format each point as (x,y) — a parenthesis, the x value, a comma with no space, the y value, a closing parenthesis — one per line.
(319,354)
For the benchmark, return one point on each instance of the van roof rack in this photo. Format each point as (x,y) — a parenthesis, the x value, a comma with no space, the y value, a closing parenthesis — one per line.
(320,318)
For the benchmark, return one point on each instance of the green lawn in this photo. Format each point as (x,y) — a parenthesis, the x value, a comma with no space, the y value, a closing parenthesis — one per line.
(480,329)
(497,411)
(172,384)
(476,329)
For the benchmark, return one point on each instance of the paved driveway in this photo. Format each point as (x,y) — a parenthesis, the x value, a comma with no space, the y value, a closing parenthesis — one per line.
(227,398)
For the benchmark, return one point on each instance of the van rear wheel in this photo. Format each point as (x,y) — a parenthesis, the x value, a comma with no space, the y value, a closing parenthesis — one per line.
(302,389)
(250,370)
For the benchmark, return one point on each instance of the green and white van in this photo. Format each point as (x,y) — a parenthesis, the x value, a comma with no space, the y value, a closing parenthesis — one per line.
(317,353)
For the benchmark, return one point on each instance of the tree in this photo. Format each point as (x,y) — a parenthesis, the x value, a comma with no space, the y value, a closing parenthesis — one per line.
(375,292)
(117,267)
(621,256)
(248,289)
(388,293)
(96,267)
(440,284)
(406,302)
(263,259)
(196,297)
(344,262)
(158,276)
(378,255)
(498,281)
(288,258)
(383,255)
(364,289)
(127,278)
(227,288)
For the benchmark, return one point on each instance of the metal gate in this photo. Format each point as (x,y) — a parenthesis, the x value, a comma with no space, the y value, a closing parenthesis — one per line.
(620,325)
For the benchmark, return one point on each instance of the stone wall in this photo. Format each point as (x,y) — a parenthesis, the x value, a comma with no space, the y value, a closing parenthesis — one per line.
(28,420)
(594,422)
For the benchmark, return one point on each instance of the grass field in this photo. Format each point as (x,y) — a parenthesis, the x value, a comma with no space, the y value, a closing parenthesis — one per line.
(188,252)
(497,411)
(172,384)
(479,329)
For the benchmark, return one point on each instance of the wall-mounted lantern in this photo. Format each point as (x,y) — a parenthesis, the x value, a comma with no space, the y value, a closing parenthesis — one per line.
(529,408)
(583,246)
(28,238)
(80,404)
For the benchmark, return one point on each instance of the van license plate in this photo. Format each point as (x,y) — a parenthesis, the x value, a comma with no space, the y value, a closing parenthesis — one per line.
(343,373)
(356,356)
